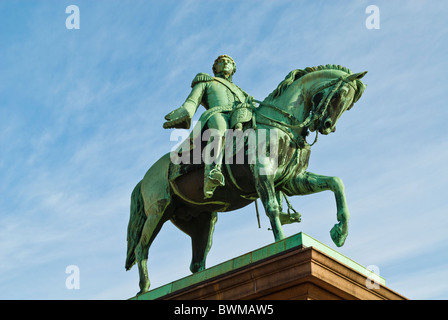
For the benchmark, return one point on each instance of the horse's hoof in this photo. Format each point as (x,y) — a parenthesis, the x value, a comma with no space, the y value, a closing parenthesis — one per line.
(144,288)
(197,266)
(141,292)
(337,235)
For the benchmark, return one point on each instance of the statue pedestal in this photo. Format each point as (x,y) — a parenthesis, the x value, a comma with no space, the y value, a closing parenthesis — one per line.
(297,268)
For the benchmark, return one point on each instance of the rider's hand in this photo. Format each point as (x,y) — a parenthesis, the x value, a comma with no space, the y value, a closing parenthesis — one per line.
(178,118)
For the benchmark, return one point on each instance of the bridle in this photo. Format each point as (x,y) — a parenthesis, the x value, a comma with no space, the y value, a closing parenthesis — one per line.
(316,112)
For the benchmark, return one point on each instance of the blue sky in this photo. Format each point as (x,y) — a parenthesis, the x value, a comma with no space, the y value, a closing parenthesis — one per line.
(81,114)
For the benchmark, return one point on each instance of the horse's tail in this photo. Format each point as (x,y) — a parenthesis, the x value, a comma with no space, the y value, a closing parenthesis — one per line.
(135,226)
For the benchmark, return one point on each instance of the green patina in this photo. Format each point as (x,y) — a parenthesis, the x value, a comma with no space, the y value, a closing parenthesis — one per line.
(292,242)
(191,196)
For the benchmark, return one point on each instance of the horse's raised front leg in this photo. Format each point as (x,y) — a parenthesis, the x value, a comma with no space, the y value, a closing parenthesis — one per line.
(308,183)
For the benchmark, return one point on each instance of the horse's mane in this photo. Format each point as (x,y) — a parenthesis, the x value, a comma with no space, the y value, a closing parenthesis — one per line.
(298,73)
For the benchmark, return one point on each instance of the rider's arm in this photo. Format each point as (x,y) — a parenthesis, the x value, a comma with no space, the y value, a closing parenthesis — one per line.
(181,117)
(194,99)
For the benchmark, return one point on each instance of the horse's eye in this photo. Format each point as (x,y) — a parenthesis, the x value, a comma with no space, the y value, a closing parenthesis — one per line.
(317,97)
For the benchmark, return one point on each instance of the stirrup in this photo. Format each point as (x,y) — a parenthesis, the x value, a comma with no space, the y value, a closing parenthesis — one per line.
(213,180)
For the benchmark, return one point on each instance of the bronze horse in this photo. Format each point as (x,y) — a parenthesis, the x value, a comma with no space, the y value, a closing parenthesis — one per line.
(309,100)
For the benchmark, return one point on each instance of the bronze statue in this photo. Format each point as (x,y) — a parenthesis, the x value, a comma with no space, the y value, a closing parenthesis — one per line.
(309,100)
(220,96)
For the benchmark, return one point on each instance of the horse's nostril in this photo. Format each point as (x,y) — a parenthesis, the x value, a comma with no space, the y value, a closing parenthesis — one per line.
(328,123)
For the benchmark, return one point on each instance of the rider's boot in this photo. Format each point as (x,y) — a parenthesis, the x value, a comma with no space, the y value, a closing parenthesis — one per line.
(213,178)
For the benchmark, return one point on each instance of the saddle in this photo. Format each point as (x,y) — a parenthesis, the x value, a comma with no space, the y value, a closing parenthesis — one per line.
(188,157)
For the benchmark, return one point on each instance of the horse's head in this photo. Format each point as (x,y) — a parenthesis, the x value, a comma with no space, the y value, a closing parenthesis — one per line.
(313,98)
(332,98)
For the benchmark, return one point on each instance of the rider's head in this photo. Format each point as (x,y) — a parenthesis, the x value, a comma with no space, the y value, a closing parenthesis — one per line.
(224,65)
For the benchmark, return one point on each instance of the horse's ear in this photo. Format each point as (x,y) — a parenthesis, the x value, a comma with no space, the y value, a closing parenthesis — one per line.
(357,76)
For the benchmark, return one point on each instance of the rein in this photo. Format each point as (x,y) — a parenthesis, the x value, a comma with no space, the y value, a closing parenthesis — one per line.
(315,113)
(280,124)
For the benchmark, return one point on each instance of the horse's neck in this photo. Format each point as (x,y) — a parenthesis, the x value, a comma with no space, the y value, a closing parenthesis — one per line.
(293,101)
(296,99)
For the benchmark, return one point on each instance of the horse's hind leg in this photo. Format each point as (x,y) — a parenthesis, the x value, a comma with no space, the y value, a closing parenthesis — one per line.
(200,229)
(151,228)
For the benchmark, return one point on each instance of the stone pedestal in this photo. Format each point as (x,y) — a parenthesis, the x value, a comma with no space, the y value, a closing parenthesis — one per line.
(296,268)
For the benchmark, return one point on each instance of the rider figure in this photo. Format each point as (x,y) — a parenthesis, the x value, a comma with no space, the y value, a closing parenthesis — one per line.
(220,96)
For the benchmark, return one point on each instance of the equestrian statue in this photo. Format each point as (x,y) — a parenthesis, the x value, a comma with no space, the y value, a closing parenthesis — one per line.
(241,150)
